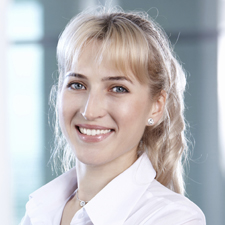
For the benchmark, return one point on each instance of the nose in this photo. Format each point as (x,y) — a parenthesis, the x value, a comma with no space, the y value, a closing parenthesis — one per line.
(94,106)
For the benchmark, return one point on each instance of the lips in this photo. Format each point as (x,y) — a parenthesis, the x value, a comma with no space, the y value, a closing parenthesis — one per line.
(93,133)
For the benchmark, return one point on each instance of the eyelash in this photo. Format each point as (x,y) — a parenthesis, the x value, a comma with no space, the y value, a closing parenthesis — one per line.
(76,83)
(124,90)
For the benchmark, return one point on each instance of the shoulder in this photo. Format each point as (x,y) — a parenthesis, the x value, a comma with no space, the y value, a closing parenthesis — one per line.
(25,220)
(50,198)
(159,205)
(172,207)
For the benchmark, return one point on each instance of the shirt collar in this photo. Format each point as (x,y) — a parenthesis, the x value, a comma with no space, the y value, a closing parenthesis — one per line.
(117,199)
(51,195)
(113,203)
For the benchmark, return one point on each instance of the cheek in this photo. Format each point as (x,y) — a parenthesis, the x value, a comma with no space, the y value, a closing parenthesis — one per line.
(66,110)
(62,115)
(132,111)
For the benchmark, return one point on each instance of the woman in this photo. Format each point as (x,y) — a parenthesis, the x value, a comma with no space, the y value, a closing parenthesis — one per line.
(120,118)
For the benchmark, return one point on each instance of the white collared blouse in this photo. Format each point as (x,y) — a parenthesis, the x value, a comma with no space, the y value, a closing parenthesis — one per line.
(132,198)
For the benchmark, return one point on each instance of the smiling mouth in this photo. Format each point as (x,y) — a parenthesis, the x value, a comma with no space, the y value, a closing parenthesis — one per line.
(93,132)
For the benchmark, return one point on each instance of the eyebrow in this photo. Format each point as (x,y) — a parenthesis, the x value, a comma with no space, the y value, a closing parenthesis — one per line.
(76,75)
(81,76)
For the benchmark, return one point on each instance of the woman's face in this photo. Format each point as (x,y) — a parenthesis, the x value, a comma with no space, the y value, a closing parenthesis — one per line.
(102,113)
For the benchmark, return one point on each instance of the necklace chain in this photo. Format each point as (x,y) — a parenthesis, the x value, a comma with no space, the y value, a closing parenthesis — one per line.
(82,203)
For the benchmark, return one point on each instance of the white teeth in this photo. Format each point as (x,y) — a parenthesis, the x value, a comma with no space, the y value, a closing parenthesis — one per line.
(88,132)
(81,129)
(93,132)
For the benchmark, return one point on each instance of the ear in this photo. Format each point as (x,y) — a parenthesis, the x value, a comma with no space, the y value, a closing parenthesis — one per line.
(158,107)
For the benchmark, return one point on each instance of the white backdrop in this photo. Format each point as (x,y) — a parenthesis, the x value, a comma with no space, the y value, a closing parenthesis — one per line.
(5,174)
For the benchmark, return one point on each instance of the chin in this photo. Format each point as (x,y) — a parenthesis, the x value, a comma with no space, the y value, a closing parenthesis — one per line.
(92,159)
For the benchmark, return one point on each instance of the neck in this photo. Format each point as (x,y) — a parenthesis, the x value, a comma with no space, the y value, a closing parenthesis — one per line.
(93,178)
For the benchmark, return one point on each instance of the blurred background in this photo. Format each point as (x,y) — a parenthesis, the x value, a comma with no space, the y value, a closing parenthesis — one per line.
(29,31)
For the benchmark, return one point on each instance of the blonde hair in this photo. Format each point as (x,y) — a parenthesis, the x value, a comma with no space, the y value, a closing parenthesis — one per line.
(132,41)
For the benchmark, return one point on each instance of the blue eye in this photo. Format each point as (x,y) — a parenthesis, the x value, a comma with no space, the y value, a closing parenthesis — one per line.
(119,89)
(77,86)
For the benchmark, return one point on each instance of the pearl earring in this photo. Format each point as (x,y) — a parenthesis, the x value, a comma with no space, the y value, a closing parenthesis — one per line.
(150,121)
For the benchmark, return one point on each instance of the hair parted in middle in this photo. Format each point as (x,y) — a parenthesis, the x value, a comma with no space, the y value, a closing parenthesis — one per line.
(132,42)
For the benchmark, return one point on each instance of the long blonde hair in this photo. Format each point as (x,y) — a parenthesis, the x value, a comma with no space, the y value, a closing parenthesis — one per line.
(132,41)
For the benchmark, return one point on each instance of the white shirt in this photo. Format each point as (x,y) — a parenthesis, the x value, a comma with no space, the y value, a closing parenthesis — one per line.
(132,198)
